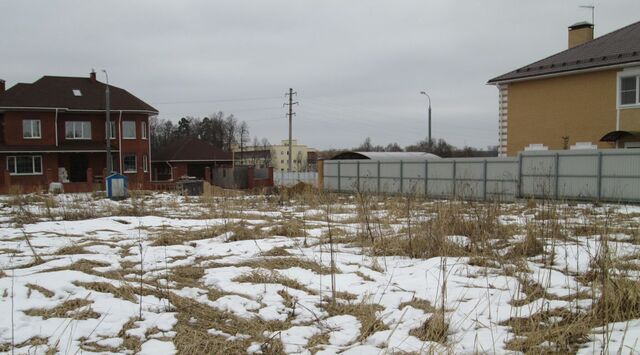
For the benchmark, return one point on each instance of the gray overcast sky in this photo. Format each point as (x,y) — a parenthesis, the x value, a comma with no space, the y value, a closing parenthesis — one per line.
(358,65)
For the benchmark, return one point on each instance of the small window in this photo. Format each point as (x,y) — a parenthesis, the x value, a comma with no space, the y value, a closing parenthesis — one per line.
(112,130)
(24,165)
(145,163)
(143,130)
(129,162)
(77,130)
(31,129)
(77,92)
(129,129)
(629,90)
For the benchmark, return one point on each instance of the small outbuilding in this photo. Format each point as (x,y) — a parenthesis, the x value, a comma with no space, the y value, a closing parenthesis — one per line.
(188,157)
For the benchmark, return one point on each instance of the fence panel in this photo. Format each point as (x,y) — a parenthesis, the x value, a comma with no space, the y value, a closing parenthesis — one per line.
(284,178)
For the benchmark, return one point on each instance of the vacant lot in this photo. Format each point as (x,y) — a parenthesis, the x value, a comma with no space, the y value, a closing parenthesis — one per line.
(307,272)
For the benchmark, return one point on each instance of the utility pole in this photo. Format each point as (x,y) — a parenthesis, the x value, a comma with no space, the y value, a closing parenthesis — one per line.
(108,110)
(290,114)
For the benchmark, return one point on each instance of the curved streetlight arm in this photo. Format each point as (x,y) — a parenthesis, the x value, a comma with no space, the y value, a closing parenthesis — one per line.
(429,136)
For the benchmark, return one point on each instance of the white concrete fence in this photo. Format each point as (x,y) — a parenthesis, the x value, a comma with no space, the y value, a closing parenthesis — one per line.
(606,175)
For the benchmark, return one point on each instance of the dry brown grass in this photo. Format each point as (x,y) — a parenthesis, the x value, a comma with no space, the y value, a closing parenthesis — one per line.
(277,251)
(418,303)
(72,250)
(76,308)
(366,313)
(288,228)
(282,263)
(242,231)
(124,292)
(549,332)
(620,301)
(169,236)
(435,328)
(33,287)
(272,277)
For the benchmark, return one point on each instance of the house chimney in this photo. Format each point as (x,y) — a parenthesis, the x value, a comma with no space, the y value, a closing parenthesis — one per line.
(1,86)
(92,76)
(579,33)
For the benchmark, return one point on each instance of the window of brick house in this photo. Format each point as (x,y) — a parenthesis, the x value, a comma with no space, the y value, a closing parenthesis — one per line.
(143,130)
(77,130)
(31,129)
(129,162)
(145,163)
(129,129)
(24,165)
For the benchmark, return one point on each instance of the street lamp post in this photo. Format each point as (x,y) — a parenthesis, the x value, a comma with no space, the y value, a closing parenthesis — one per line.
(429,137)
(108,109)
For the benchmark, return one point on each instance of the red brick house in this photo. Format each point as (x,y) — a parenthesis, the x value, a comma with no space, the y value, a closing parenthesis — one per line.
(54,130)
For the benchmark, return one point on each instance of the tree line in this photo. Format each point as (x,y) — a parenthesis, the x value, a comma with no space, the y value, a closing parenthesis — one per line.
(220,130)
(438,147)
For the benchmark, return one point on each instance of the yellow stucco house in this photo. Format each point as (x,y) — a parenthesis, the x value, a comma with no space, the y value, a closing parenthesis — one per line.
(584,97)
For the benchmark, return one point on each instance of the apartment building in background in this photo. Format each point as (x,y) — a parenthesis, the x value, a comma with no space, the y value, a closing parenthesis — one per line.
(304,158)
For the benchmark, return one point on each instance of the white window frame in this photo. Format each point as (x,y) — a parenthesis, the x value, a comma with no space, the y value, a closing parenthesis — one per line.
(31,126)
(124,131)
(15,164)
(627,73)
(82,130)
(145,163)
(112,131)
(143,130)
(135,160)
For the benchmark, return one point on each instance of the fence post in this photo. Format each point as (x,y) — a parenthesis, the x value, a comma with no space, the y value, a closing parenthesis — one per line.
(401,177)
(454,179)
(378,176)
(338,175)
(599,175)
(519,192)
(426,177)
(484,178)
(557,178)
(358,175)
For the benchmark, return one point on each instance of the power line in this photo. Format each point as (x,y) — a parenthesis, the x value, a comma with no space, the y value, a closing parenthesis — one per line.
(217,100)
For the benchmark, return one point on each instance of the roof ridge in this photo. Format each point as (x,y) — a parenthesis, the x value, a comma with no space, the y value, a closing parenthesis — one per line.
(595,41)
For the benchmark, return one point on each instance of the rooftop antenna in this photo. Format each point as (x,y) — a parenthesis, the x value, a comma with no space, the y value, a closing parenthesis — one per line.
(593,12)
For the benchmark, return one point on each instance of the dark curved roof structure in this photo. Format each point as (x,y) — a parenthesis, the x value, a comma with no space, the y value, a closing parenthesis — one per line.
(385,156)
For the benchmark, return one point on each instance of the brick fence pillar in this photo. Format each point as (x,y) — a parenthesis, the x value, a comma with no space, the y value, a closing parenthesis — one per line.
(270,176)
(250,177)
(320,172)
(207,174)
(90,179)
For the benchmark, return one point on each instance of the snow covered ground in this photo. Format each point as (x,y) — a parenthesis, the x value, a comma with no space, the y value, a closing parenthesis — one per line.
(160,274)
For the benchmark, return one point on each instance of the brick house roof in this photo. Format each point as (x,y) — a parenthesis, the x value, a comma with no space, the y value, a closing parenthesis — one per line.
(190,149)
(615,48)
(71,93)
